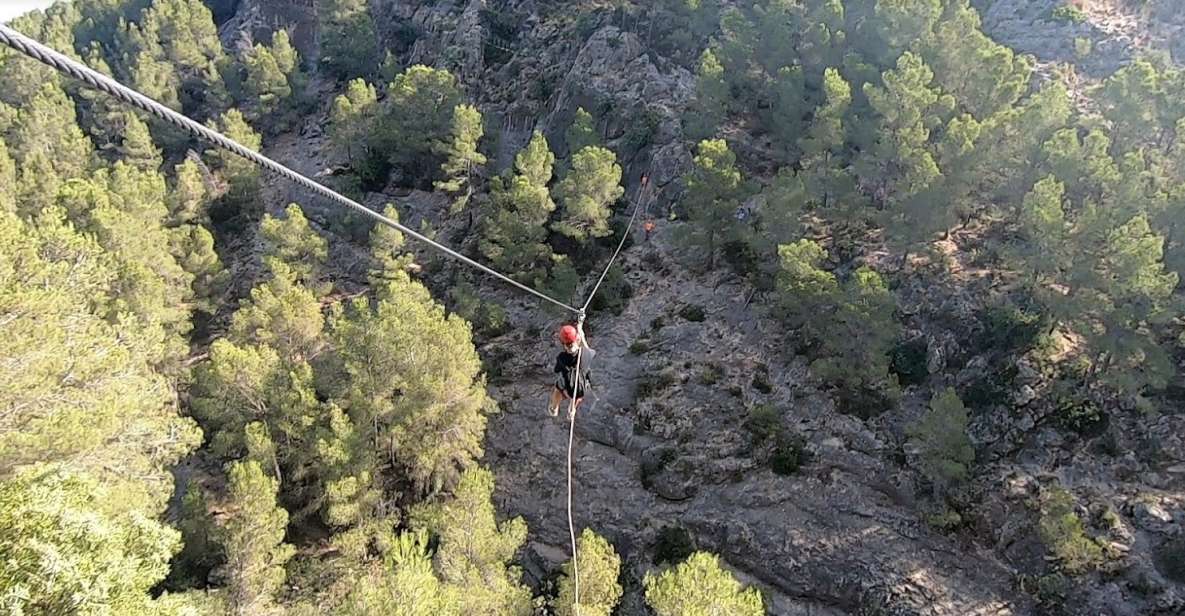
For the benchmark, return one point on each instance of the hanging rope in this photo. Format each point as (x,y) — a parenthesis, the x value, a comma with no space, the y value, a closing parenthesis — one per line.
(572,406)
(45,55)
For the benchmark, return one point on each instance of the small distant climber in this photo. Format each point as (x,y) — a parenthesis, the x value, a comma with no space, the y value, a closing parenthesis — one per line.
(574,348)
(648,227)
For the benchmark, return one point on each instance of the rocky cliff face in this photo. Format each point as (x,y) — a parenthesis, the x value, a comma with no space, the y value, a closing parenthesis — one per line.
(663,449)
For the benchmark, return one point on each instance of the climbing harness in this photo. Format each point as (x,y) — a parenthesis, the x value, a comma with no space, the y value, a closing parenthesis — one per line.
(77,70)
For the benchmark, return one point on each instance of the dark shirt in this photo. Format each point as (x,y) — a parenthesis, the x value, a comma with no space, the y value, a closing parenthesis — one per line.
(565,369)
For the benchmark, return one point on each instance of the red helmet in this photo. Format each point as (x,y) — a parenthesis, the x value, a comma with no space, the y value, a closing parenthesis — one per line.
(568,335)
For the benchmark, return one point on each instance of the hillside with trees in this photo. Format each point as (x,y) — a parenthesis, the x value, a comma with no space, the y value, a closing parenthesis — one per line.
(898,328)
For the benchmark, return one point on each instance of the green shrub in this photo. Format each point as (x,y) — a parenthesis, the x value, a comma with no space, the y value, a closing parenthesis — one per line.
(764,421)
(788,454)
(640,346)
(862,402)
(673,545)
(1008,328)
(615,292)
(991,387)
(1070,13)
(710,375)
(653,465)
(1064,534)
(909,361)
(761,381)
(693,313)
(655,382)
(657,323)
(945,520)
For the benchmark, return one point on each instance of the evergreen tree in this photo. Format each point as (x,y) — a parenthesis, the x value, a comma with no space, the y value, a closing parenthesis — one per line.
(274,80)
(64,555)
(178,37)
(48,147)
(700,587)
(80,388)
(713,195)
(707,112)
(411,380)
(514,234)
(253,538)
(461,156)
(902,22)
(8,188)
(282,314)
(1131,101)
(946,450)
(404,586)
(189,199)
(240,175)
(193,247)
(475,550)
(349,42)
(292,242)
(588,192)
(581,133)
(417,113)
(386,250)
(346,468)
(199,554)
(352,119)
(137,148)
(600,567)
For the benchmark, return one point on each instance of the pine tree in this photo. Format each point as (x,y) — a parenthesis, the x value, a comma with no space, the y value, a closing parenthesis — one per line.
(345,466)
(386,250)
(282,314)
(81,389)
(1131,102)
(189,199)
(253,539)
(193,247)
(352,118)
(240,175)
(417,113)
(946,450)
(48,147)
(349,42)
(475,550)
(199,554)
(406,586)
(581,133)
(699,587)
(707,112)
(600,567)
(514,234)
(902,22)
(411,379)
(179,37)
(461,156)
(292,242)
(265,82)
(588,192)
(713,195)
(137,148)
(64,555)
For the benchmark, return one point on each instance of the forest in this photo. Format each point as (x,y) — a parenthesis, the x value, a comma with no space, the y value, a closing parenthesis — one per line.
(224,396)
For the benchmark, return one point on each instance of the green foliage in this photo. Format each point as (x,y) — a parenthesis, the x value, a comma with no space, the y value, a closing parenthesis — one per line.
(1068,12)
(714,192)
(946,452)
(240,176)
(673,544)
(417,113)
(253,538)
(588,192)
(273,81)
(352,119)
(514,233)
(487,317)
(461,156)
(386,249)
(474,550)
(193,247)
(1065,536)
(349,41)
(404,586)
(413,377)
(81,388)
(599,568)
(282,314)
(582,133)
(909,361)
(700,587)
(708,110)
(64,555)
(850,325)
(199,554)
(694,313)
(292,246)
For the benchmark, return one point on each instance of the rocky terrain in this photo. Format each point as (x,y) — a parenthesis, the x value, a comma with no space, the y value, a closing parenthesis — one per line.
(664,444)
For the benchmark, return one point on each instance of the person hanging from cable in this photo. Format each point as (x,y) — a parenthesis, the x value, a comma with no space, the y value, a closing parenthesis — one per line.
(574,350)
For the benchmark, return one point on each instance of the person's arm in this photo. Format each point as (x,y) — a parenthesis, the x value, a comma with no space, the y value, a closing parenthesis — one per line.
(584,341)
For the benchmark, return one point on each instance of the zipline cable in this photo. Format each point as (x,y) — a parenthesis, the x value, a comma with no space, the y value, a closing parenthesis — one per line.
(624,236)
(63,64)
